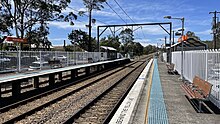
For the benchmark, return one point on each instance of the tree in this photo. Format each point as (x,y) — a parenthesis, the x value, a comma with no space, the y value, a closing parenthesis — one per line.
(91,5)
(81,38)
(110,41)
(127,38)
(126,35)
(4,24)
(209,44)
(218,36)
(39,37)
(25,14)
(135,48)
(139,49)
(191,34)
(150,49)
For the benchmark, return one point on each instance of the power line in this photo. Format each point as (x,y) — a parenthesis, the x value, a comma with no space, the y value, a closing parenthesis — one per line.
(116,13)
(77,20)
(124,11)
(85,14)
(128,16)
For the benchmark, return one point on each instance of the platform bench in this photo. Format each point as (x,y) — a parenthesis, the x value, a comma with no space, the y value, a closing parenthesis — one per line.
(199,90)
(170,68)
(55,63)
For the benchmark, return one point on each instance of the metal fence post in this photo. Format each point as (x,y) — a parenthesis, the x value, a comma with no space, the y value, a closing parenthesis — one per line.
(206,65)
(67,60)
(192,65)
(40,61)
(19,61)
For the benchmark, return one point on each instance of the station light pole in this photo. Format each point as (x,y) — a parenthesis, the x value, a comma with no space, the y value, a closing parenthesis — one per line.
(182,20)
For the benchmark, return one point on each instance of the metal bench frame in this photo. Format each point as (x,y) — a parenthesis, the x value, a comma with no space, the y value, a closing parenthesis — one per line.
(199,90)
(170,68)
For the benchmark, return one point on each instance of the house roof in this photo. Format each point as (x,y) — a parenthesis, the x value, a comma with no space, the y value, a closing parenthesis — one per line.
(108,48)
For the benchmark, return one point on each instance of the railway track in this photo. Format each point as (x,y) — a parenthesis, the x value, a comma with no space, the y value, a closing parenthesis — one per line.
(101,109)
(45,107)
(28,106)
(94,77)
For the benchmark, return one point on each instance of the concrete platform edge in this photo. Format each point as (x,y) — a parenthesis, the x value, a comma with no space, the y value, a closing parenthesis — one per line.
(126,110)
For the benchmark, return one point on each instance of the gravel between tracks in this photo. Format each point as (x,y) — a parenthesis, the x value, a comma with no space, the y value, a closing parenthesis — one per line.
(24,108)
(98,112)
(60,111)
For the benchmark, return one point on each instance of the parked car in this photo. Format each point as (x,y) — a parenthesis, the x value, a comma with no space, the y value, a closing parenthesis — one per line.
(61,58)
(36,65)
(5,59)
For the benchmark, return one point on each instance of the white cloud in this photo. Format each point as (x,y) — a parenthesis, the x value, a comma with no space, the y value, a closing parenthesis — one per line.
(57,39)
(67,10)
(82,9)
(153,30)
(206,32)
(104,13)
(144,42)
(63,25)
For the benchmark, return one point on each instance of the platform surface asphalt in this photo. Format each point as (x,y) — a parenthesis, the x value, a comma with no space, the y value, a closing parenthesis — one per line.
(179,109)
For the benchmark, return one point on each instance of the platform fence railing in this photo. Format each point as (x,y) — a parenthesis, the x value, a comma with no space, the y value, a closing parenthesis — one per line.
(203,63)
(18,61)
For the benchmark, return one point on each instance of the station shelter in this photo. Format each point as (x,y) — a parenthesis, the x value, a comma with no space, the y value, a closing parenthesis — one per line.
(189,43)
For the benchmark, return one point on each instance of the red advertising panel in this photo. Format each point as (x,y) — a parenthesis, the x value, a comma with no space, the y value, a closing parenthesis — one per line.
(14,39)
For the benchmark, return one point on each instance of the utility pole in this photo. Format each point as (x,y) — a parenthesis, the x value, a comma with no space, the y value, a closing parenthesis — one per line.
(90,29)
(165,41)
(214,28)
(173,37)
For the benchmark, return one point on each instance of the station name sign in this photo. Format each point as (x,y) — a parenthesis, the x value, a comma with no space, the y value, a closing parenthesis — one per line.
(14,39)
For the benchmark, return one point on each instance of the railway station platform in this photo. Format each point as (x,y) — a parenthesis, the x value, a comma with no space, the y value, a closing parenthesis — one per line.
(78,71)
(159,99)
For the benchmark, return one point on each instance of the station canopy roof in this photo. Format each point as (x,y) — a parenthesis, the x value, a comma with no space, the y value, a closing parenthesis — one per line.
(191,43)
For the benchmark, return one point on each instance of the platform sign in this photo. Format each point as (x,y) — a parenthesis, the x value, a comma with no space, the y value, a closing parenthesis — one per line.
(182,38)
(14,39)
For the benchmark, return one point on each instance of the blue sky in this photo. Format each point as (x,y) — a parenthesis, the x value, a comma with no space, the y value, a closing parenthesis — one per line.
(195,12)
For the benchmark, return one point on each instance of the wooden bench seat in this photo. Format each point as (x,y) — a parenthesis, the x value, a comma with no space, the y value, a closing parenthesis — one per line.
(199,89)
(170,68)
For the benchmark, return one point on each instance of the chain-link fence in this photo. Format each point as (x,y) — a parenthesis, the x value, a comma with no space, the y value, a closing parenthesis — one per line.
(17,61)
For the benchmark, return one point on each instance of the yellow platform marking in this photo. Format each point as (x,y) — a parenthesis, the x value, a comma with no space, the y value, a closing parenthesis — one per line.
(148,93)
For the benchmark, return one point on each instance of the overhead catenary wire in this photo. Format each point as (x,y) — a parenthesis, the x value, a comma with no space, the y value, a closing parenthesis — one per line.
(85,14)
(128,16)
(115,12)
(124,11)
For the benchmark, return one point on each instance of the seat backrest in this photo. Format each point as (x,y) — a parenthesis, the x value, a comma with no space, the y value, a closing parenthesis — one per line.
(203,85)
(172,66)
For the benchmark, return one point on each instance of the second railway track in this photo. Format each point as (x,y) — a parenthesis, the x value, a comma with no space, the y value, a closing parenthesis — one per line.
(58,107)
(101,109)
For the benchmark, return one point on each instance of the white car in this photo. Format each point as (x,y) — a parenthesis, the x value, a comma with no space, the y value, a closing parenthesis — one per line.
(37,64)
(5,60)
(61,58)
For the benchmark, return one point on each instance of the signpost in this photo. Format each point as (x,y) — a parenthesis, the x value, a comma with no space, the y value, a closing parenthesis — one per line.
(17,40)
